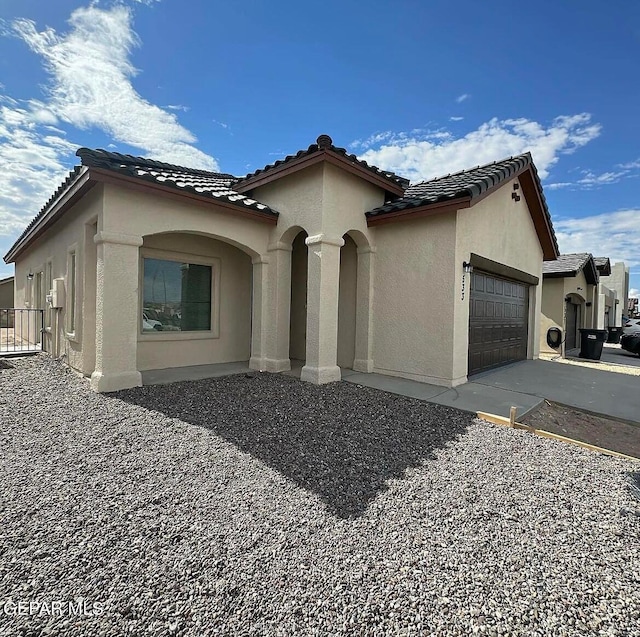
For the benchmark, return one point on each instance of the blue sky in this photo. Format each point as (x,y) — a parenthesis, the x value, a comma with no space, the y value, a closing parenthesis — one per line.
(422,87)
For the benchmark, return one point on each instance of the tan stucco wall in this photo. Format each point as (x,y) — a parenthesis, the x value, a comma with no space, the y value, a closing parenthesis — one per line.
(140,213)
(553,312)
(54,246)
(500,229)
(414,299)
(321,199)
(166,349)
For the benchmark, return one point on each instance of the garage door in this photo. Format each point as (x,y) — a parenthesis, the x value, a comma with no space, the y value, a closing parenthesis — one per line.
(498,321)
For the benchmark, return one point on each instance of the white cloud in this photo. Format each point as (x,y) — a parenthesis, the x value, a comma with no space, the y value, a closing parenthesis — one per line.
(614,234)
(456,119)
(90,87)
(592,180)
(91,84)
(424,155)
(634,293)
(32,160)
(462,98)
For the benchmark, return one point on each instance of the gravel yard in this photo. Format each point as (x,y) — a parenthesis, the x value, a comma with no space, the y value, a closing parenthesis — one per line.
(266,506)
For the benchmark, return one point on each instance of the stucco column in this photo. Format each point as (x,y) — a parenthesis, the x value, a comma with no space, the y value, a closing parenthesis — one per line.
(259,313)
(364,311)
(117,312)
(322,309)
(277,325)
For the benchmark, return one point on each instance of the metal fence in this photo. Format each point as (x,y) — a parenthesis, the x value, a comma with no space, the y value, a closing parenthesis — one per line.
(21,330)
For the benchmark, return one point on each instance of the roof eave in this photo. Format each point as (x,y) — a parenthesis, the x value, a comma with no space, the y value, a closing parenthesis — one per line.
(300,163)
(88,177)
(532,191)
(560,275)
(103,175)
(406,214)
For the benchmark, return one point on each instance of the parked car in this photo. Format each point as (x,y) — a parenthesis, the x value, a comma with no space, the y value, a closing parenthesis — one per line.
(149,324)
(631,342)
(631,326)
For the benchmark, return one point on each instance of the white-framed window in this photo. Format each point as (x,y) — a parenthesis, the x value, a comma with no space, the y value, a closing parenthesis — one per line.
(72,289)
(178,295)
(48,285)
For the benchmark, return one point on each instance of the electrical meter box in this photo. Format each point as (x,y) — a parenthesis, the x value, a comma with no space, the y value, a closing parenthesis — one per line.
(57,293)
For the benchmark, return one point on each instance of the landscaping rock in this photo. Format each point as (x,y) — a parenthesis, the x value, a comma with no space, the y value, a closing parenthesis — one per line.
(262,505)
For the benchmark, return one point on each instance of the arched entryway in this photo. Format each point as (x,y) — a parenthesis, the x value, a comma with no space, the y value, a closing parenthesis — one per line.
(347,303)
(355,295)
(298,307)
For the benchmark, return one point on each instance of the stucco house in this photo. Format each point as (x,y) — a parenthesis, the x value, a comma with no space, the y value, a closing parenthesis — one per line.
(319,258)
(615,282)
(569,300)
(6,292)
(6,301)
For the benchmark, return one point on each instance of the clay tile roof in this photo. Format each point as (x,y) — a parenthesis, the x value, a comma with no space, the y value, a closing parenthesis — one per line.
(324,142)
(569,265)
(471,183)
(217,186)
(466,183)
(603,265)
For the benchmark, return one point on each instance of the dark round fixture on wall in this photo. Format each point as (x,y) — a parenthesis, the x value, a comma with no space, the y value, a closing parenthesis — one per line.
(554,337)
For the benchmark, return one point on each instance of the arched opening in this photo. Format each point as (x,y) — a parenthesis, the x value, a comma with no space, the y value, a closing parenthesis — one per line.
(298,308)
(347,303)
(195,302)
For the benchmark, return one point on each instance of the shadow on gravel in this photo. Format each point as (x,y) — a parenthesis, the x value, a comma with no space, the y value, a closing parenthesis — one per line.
(5,365)
(340,441)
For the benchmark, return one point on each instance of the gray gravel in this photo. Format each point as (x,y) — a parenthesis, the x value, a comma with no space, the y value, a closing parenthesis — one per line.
(266,506)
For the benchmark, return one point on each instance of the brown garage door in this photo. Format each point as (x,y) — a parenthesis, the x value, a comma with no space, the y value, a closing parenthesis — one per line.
(498,321)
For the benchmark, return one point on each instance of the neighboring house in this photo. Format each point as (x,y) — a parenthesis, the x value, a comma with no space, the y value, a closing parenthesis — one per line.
(6,292)
(607,298)
(319,257)
(6,301)
(618,282)
(569,300)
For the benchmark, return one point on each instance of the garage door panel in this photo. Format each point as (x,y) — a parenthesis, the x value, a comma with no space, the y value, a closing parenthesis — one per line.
(498,329)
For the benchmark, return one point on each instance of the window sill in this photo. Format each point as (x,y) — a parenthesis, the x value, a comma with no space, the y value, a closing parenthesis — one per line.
(177,336)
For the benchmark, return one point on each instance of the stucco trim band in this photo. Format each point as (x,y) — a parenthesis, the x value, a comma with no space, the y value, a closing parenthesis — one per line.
(325,239)
(117,238)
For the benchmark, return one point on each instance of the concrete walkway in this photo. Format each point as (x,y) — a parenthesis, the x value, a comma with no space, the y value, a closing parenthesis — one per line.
(193,372)
(472,397)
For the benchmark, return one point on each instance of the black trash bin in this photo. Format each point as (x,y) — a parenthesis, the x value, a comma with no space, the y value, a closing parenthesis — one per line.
(591,343)
(615,334)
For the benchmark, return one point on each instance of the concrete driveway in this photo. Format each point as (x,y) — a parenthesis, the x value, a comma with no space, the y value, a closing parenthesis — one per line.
(524,385)
(601,392)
